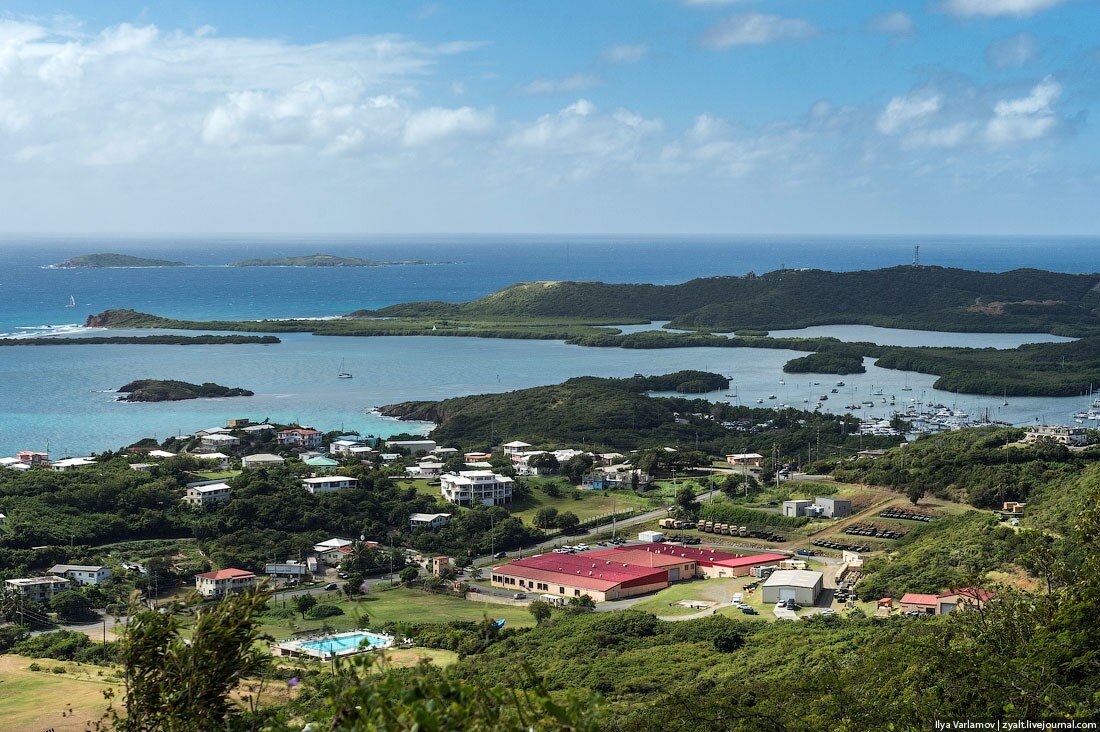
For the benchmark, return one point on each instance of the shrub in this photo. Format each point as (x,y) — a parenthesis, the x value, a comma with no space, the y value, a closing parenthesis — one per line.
(324,611)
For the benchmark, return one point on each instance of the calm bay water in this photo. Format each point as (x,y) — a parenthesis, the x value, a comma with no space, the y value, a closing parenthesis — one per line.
(62,393)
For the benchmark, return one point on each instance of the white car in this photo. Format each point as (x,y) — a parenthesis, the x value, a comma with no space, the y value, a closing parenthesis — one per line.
(582,547)
(738,599)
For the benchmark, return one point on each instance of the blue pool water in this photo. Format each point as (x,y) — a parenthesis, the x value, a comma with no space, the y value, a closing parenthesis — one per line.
(344,643)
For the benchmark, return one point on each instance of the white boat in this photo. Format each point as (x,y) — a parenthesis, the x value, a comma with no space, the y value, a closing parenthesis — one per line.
(72,301)
(343,374)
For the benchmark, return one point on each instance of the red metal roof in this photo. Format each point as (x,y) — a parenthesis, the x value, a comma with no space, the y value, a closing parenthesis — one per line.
(916,598)
(705,556)
(593,573)
(223,574)
(973,593)
(640,558)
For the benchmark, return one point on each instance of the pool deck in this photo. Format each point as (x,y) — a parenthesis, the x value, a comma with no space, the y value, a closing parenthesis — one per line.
(297,648)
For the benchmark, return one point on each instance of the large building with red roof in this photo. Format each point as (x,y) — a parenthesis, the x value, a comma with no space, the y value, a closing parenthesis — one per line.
(708,562)
(574,575)
(224,582)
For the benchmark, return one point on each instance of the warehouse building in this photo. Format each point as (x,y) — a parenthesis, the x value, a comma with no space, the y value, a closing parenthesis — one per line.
(796,508)
(802,586)
(569,576)
(709,563)
(834,507)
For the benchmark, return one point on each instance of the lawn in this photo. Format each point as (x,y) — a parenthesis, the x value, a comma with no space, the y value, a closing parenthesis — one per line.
(710,590)
(422,485)
(38,700)
(401,603)
(217,475)
(586,504)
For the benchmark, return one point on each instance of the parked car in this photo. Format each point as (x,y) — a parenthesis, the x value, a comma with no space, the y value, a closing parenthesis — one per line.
(519,596)
(500,555)
(332,586)
(749,610)
(582,547)
(781,605)
(342,575)
(828,611)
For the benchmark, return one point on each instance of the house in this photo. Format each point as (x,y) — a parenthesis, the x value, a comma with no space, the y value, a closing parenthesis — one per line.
(212,431)
(332,551)
(477,457)
(343,445)
(224,582)
(428,520)
(415,447)
(1068,436)
(913,601)
(796,508)
(962,598)
(746,459)
(290,569)
(594,481)
(213,460)
(81,574)
(516,447)
(257,428)
(321,462)
(424,469)
(871,454)
(479,465)
(834,507)
(142,467)
(621,476)
(570,576)
(207,493)
(161,454)
(329,483)
(260,460)
(31,457)
(1012,509)
(218,441)
(39,589)
(299,437)
(802,586)
(236,424)
(610,458)
(445,452)
(470,487)
(70,463)
(439,565)
(389,457)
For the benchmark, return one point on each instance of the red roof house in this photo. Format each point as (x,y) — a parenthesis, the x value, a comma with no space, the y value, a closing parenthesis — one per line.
(572,575)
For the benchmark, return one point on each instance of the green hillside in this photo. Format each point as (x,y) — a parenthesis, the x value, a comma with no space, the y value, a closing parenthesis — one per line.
(934,298)
(108,260)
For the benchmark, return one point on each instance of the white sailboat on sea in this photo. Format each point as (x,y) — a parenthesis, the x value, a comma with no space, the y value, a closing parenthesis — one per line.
(72,301)
(343,373)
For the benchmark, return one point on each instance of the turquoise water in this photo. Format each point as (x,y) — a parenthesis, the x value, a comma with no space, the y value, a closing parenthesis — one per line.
(63,396)
(343,643)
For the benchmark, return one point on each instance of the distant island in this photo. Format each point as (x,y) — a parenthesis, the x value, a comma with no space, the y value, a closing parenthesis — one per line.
(109,260)
(157,390)
(324,260)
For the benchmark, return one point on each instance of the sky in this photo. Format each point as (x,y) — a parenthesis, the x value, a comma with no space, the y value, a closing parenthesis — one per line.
(606,116)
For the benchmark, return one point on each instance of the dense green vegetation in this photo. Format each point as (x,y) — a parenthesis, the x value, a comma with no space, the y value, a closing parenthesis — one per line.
(320,260)
(99,261)
(826,362)
(170,390)
(976,466)
(930,298)
(617,414)
(728,513)
(157,340)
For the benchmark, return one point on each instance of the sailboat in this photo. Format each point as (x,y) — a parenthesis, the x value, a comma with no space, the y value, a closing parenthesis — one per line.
(1005,397)
(343,374)
(72,302)
(907,387)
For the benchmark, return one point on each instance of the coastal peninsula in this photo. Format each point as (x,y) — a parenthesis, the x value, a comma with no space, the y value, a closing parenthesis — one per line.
(113,261)
(323,260)
(158,390)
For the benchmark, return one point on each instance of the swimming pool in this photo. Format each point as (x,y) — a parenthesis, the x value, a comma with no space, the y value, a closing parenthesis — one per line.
(339,645)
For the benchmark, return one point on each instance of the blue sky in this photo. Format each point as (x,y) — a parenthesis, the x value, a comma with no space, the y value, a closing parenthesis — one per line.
(649,116)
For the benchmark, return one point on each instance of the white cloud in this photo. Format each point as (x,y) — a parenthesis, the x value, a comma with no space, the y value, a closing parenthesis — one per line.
(573,83)
(1026,118)
(582,131)
(948,136)
(626,53)
(994,8)
(435,124)
(902,112)
(895,23)
(756,29)
(1012,52)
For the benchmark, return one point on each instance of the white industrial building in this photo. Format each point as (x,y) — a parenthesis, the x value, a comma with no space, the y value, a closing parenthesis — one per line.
(801,585)
(470,487)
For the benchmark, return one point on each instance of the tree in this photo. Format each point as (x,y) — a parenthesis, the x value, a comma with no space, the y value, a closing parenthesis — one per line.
(545,462)
(172,685)
(915,492)
(304,603)
(409,574)
(71,605)
(454,464)
(354,585)
(540,611)
(576,467)
(567,521)
(685,500)
(546,517)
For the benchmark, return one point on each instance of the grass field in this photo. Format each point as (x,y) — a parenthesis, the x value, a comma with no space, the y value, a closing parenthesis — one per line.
(586,504)
(32,701)
(398,604)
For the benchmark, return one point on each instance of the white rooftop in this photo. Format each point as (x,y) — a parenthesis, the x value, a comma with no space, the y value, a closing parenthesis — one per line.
(29,581)
(62,568)
(428,516)
(517,443)
(210,455)
(262,457)
(161,454)
(331,544)
(212,488)
(794,578)
(72,462)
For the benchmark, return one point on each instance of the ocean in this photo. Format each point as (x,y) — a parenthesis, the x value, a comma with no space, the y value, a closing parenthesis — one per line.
(63,395)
